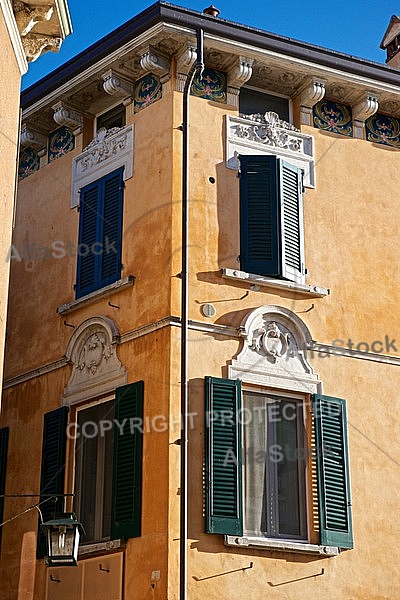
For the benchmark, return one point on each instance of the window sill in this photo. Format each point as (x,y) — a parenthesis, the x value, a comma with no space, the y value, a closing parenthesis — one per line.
(281,545)
(258,281)
(101,548)
(94,296)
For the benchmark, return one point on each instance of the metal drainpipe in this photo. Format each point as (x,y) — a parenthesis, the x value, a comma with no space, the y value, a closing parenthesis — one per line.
(198,66)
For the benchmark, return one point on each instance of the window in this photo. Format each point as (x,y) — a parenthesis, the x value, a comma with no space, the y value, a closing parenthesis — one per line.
(115,117)
(271,218)
(253,102)
(252,488)
(100,233)
(108,462)
(93,471)
(275,466)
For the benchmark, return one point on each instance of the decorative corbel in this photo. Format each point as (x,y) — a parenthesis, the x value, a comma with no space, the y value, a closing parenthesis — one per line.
(33,139)
(238,74)
(313,93)
(183,63)
(35,45)
(153,61)
(64,115)
(367,107)
(115,85)
(27,16)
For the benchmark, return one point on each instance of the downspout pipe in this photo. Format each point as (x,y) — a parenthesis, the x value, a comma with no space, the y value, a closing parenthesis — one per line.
(197,67)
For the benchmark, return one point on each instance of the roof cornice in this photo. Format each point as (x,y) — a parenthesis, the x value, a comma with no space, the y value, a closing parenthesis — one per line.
(192,20)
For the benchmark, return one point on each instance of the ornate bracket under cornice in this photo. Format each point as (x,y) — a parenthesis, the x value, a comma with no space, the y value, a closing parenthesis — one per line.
(33,139)
(310,95)
(238,74)
(27,16)
(268,134)
(35,45)
(274,351)
(367,107)
(115,85)
(156,63)
(184,61)
(71,118)
(109,150)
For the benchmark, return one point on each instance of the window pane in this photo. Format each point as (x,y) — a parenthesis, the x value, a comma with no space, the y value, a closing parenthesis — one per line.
(112,118)
(288,473)
(252,102)
(273,467)
(93,477)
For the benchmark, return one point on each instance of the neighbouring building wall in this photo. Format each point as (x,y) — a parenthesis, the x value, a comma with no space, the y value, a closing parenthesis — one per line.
(9,130)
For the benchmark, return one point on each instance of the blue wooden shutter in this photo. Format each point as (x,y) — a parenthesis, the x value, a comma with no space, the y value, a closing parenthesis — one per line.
(224,505)
(53,468)
(3,467)
(89,223)
(112,227)
(259,216)
(127,470)
(100,233)
(333,471)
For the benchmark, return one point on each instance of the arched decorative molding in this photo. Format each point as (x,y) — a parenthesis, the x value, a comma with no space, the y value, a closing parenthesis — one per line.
(97,369)
(274,351)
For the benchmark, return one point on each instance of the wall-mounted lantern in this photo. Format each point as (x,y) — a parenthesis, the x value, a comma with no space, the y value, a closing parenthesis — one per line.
(62,534)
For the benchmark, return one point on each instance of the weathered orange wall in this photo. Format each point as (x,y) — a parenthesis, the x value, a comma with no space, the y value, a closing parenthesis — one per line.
(351,222)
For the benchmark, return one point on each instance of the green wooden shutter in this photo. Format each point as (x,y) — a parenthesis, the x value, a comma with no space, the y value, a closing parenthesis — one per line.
(259,215)
(224,504)
(333,471)
(53,468)
(271,218)
(292,238)
(127,470)
(3,467)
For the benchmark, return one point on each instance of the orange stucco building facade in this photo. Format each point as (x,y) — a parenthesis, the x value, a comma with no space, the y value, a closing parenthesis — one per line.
(292,351)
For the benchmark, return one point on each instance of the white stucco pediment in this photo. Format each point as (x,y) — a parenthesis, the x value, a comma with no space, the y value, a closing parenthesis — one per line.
(97,369)
(274,351)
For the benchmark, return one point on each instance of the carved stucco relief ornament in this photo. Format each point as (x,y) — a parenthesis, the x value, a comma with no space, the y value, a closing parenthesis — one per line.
(109,150)
(96,368)
(271,341)
(274,351)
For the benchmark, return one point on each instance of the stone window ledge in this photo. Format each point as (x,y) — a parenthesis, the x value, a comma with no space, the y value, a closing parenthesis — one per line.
(96,295)
(280,545)
(258,281)
(99,548)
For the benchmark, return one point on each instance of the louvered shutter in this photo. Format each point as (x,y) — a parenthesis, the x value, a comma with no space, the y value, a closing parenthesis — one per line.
(127,470)
(112,227)
(259,226)
(271,218)
(3,467)
(100,233)
(292,237)
(333,472)
(53,469)
(89,221)
(224,505)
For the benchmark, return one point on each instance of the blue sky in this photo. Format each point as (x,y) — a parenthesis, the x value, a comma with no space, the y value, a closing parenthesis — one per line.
(351,26)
